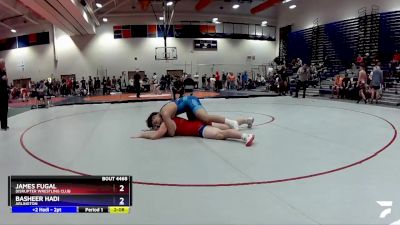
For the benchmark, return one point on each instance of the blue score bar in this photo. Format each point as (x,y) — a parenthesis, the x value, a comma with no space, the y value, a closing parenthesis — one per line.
(43,209)
(70,209)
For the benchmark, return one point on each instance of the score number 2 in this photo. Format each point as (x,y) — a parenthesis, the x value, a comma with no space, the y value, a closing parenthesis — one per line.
(121,199)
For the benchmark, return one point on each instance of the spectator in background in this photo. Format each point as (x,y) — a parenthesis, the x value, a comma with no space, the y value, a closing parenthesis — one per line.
(367,61)
(354,70)
(353,93)
(83,83)
(394,63)
(313,70)
(231,81)
(396,56)
(177,88)
(168,81)
(91,86)
(245,79)
(41,90)
(153,83)
(70,85)
(251,84)
(74,84)
(145,79)
(224,78)
(97,83)
(262,80)
(63,87)
(113,82)
(218,84)
(337,86)
(208,86)
(238,81)
(189,82)
(163,83)
(204,81)
(212,82)
(376,82)
(346,84)
(258,80)
(283,81)
(24,93)
(136,84)
(119,82)
(304,76)
(299,63)
(294,64)
(359,60)
(3,100)
(154,77)
(362,84)
(108,85)
(104,83)
(196,80)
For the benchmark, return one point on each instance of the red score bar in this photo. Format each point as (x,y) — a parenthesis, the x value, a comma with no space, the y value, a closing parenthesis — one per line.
(81,189)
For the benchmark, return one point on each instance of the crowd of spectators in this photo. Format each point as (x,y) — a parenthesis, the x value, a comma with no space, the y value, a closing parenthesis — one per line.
(285,78)
(357,82)
(64,87)
(232,81)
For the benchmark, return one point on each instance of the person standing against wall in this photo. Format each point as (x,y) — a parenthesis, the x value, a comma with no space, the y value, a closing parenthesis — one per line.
(3,100)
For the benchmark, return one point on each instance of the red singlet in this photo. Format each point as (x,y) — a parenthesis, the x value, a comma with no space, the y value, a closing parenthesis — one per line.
(188,127)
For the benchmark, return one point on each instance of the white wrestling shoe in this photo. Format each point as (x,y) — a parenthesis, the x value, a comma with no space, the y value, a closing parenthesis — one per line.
(250,122)
(249,139)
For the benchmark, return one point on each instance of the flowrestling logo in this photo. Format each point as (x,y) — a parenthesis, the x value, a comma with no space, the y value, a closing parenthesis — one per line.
(387,211)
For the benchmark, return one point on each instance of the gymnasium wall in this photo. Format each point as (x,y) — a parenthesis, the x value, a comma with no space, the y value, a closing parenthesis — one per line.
(88,55)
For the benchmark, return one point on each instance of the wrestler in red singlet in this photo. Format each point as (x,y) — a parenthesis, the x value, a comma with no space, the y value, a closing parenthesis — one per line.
(188,128)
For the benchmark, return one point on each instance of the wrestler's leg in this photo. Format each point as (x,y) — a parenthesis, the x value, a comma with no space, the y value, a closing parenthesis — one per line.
(218,134)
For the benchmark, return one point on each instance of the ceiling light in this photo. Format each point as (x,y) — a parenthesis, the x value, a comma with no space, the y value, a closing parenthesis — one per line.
(292,6)
(161,18)
(215,19)
(235,6)
(170,3)
(264,23)
(14,31)
(286,1)
(99,5)
(105,19)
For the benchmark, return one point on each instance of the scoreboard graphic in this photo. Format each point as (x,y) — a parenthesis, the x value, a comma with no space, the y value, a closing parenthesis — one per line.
(70,194)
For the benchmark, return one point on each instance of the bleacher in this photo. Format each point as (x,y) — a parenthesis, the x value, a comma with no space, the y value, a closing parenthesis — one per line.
(338,44)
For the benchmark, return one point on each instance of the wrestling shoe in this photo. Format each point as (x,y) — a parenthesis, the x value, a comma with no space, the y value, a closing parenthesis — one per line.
(250,122)
(249,139)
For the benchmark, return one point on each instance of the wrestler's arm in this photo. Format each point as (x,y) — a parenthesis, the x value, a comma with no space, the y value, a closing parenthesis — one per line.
(169,123)
(154,135)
